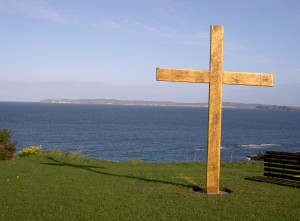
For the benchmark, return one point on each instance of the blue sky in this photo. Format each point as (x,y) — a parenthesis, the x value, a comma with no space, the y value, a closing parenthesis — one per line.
(110,49)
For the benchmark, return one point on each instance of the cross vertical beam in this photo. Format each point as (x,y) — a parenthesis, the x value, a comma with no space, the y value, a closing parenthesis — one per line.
(215,109)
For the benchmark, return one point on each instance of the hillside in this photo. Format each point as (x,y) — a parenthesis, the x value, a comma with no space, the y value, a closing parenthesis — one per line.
(65,186)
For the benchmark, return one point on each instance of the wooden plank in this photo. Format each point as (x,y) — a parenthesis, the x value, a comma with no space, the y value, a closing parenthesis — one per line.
(282,161)
(273,154)
(182,75)
(283,157)
(284,166)
(215,110)
(280,158)
(202,76)
(247,78)
(282,153)
(282,171)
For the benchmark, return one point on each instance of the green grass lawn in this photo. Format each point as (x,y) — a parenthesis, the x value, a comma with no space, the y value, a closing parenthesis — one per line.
(64,186)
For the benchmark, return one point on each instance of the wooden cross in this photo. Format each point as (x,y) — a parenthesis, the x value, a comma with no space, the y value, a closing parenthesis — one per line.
(215,76)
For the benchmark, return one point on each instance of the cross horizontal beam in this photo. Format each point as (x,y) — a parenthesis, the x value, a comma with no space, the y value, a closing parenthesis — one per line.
(202,76)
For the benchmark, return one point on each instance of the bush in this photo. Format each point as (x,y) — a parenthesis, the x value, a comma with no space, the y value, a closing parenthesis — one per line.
(7,147)
(30,151)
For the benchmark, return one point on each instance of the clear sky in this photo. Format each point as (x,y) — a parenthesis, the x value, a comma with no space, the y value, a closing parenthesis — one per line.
(110,49)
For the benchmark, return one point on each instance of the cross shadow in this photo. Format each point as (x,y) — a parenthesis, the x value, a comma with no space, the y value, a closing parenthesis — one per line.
(62,164)
(93,169)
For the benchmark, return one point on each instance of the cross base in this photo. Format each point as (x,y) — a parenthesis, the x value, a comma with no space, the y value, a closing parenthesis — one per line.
(224,191)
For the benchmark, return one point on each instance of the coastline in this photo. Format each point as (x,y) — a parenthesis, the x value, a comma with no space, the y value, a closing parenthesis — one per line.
(166,103)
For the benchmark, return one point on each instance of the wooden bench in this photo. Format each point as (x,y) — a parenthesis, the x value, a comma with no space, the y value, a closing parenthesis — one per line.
(281,168)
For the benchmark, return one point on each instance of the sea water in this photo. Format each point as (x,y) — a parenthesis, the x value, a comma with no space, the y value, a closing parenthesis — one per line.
(149,133)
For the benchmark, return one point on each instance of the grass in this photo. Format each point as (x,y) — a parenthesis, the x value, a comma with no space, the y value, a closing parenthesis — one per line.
(65,186)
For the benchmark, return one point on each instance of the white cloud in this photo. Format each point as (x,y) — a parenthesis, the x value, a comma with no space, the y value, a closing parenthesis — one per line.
(261,58)
(232,46)
(42,9)
(35,9)
(195,38)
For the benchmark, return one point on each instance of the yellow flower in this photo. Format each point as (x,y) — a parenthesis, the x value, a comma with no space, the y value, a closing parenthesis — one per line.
(18,177)
(29,151)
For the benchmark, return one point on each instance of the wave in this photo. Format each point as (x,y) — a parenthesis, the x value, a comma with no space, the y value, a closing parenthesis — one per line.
(258,146)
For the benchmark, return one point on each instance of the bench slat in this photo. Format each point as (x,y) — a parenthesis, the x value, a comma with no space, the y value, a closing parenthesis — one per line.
(284,167)
(281,161)
(287,173)
(277,153)
(283,157)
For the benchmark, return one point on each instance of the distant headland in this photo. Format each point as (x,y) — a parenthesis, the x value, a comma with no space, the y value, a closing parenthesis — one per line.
(165,103)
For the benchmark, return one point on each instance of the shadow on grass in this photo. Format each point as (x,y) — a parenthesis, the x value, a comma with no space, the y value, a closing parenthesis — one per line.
(62,164)
(92,169)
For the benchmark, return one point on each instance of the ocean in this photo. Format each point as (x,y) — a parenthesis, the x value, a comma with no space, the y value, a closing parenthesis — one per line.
(149,133)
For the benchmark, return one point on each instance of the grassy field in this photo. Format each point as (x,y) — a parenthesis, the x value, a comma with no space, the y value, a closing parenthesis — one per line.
(64,186)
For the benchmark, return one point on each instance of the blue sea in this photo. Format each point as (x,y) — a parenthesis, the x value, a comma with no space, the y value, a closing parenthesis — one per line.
(149,133)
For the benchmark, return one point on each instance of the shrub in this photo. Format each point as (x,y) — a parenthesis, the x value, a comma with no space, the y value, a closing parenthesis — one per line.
(30,151)
(7,147)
